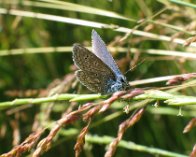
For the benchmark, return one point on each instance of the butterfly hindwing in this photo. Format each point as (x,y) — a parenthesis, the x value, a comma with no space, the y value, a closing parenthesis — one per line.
(94,81)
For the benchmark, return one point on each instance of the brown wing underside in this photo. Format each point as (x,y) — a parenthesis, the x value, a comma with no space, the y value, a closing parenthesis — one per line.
(87,61)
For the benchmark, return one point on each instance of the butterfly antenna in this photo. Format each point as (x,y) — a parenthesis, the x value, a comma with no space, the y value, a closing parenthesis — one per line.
(135,66)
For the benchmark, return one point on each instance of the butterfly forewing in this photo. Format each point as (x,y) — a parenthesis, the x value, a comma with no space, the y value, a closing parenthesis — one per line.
(87,61)
(99,49)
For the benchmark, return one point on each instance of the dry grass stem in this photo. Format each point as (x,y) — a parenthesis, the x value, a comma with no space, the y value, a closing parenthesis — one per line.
(25,146)
(190,125)
(81,140)
(122,128)
(193,153)
(180,78)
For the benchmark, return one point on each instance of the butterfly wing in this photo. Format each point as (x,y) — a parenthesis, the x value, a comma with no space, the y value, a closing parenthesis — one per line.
(87,61)
(93,81)
(100,50)
(94,72)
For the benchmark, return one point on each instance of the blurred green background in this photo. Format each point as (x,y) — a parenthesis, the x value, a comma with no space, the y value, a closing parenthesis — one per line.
(27,72)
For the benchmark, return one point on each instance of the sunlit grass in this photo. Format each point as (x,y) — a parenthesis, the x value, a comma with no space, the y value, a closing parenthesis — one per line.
(36,46)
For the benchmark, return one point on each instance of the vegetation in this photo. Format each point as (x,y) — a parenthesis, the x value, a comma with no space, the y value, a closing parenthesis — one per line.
(45,111)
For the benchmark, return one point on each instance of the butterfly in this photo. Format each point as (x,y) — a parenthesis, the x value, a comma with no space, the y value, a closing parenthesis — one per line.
(97,69)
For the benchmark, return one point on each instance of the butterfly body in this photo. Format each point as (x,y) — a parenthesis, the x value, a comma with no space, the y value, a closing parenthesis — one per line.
(98,70)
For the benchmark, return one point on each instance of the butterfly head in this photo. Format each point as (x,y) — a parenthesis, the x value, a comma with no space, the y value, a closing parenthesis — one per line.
(119,84)
(121,80)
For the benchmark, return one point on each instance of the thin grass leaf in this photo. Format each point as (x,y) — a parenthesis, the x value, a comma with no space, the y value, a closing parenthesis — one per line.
(132,146)
(183,3)
(93,24)
(68,6)
(63,49)
(181,101)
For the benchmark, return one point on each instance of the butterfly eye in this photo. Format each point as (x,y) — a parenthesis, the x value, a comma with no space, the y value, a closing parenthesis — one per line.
(122,79)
